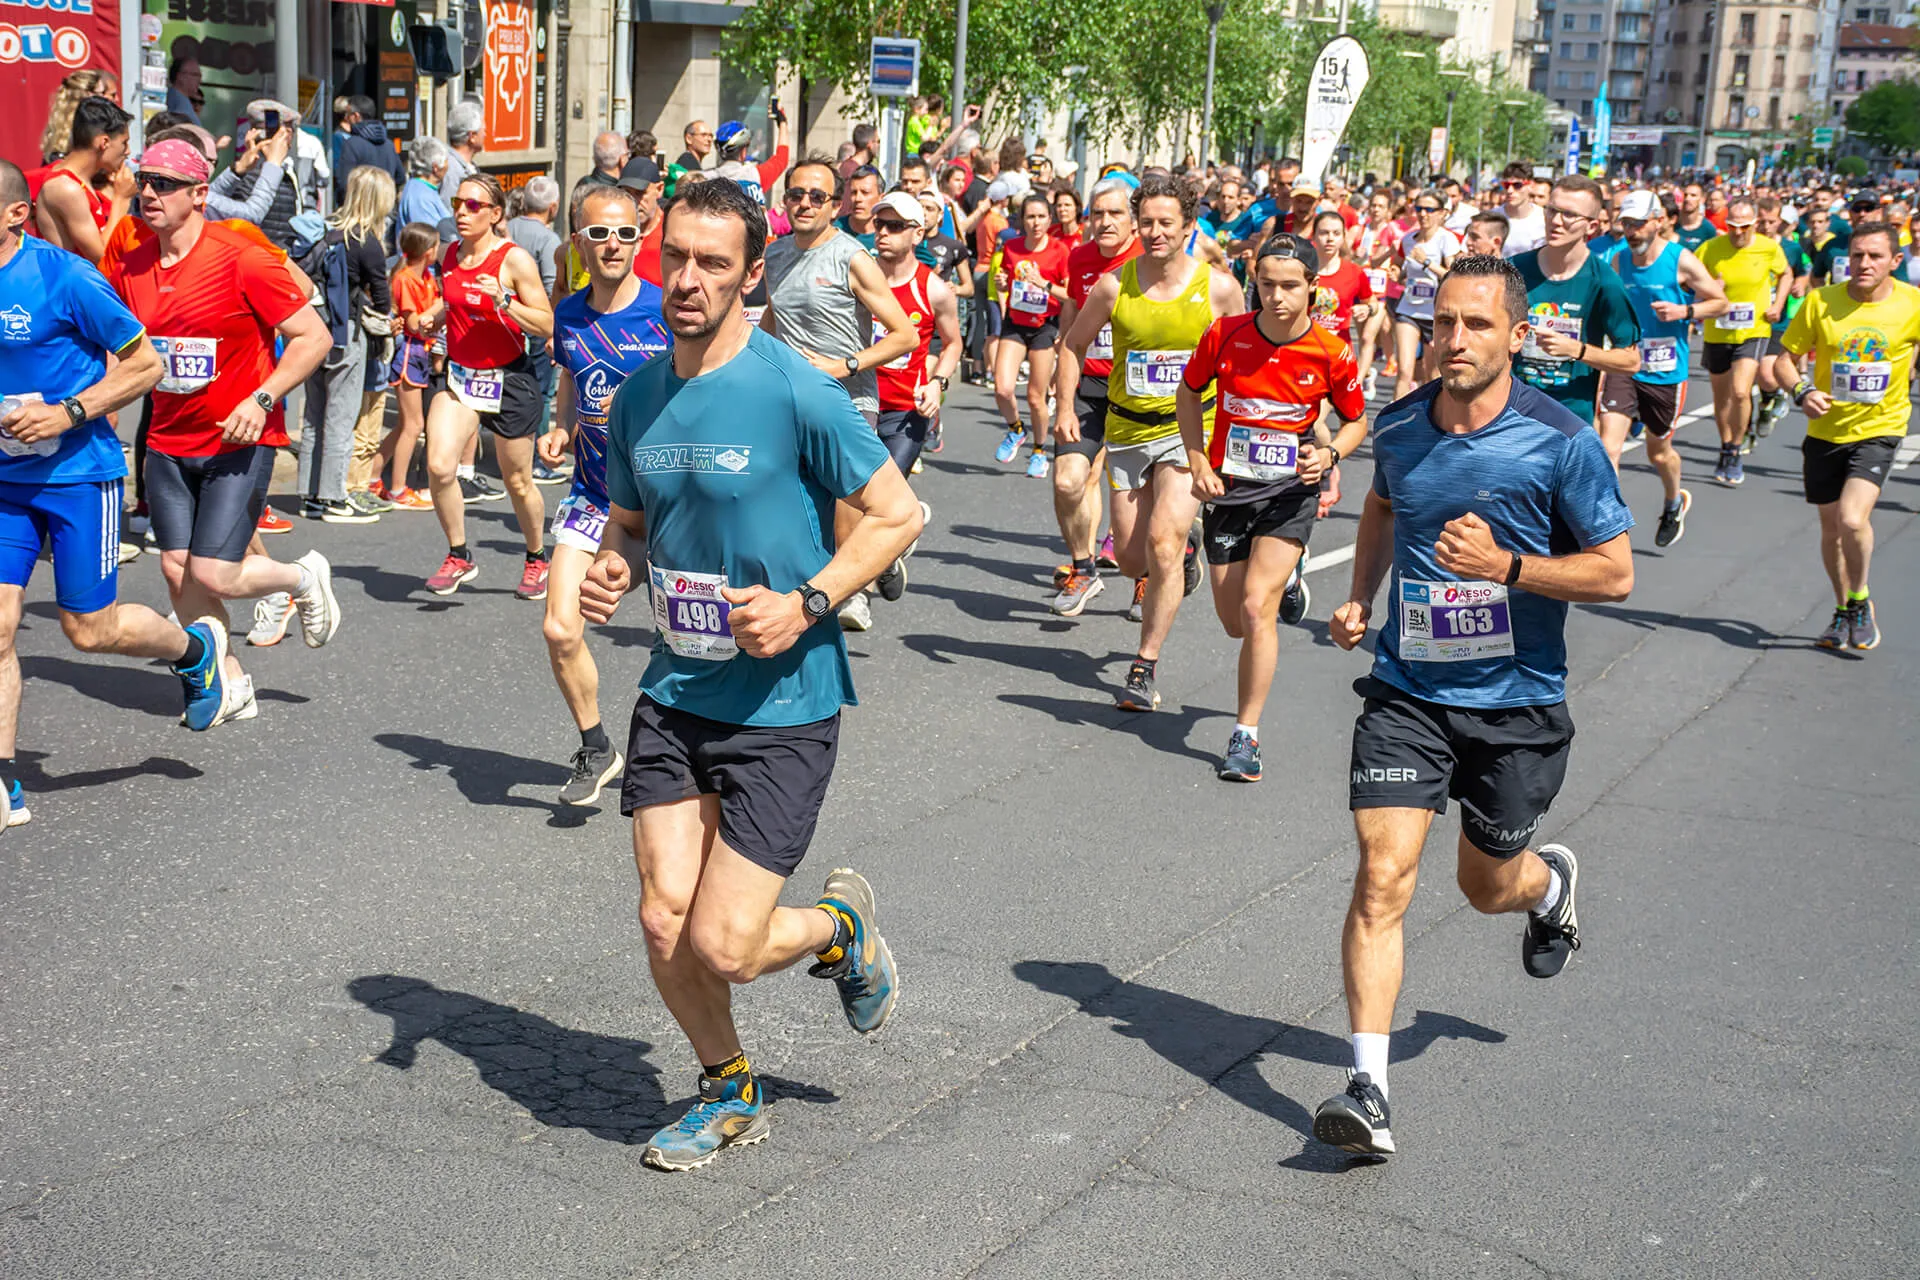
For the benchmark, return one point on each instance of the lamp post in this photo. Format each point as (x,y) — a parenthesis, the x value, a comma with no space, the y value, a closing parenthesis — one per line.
(1214,13)
(1450,73)
(959,100)
(1511,104)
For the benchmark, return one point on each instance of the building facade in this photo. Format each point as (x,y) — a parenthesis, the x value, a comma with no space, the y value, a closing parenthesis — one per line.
(1735,82)
(1867,53)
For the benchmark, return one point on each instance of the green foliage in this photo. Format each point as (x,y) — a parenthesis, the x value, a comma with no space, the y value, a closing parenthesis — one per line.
(1851,166)
(1888,116)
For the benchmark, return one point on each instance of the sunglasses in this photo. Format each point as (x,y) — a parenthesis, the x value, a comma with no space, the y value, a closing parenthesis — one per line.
(600,233)
(808,195)
(1427,208)
(1632,224)
(1740,226)
(889,225)
(474,206)
(162,185)
(1512,184)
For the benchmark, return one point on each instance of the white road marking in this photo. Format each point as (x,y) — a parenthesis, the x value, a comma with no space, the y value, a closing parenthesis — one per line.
(1909,450)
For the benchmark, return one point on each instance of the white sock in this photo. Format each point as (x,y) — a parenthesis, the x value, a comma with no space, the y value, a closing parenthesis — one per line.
(464,472)
(1552,897)
(1370,1057)
(1251,730)
(306,580)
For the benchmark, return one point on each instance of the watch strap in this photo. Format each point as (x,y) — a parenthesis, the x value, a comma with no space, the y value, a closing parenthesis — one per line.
(264,400)
(76,412)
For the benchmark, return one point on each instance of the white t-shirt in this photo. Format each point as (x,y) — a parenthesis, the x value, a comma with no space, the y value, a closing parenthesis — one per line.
(1420,281)
(1525,233)
(1458,219)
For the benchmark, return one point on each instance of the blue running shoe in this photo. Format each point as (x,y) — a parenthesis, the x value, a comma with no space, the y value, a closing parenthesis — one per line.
(1243,759)
(13,806)
(205,683)
(1038,466)
(1736,470)
(1010,444)
(865,975)
(730,1113)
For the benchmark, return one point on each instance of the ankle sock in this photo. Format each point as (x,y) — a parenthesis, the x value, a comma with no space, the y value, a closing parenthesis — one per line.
(1856,597)
(594,739)
(734,1066)
(1251,730)
(306,580)
(537,557)
(460,552)
(464,472)
(1551,898)
(196,653)
(1083,567)
(1149,663)
(1370,1057)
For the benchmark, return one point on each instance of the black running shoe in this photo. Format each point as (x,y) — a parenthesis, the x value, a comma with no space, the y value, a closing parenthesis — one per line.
(1551,939)
(1356,1120)
(1139,693)
(591,771)
(892,582)
(1673,524)
(1296,599)
(1192,567)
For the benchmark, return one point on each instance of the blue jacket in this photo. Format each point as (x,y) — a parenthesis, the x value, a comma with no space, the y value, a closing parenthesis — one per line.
(366,143)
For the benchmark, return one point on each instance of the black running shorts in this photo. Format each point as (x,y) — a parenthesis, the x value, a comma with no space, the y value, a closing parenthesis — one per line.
(1041,337)
(1825,467)
(771,781)
(1230,528)
(1504,767)
(522,405)
(1657,404)
(208,507)
(1719,356)
(904,432)
(1090,406)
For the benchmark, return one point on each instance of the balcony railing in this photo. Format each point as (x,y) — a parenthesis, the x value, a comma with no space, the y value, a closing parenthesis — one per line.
(1421,18)
(1633,6)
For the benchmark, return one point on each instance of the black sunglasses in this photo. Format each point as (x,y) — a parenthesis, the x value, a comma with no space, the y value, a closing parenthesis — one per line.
(599,233)
(1426,208)
(889,225)
(162,184)
(811,195)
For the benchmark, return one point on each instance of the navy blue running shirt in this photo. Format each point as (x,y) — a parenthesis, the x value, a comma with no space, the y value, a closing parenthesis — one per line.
(1540,478)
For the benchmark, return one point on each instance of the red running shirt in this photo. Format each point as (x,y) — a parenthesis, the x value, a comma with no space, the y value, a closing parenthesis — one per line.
(212,317)
(1032,305)
(480,335)
(1335,292)
(1269,386)
(902,376)
(1085,265)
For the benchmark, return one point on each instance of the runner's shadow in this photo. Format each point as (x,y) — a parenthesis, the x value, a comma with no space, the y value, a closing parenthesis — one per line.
(1224,1048)
(1069,665)
(987,606)
(1023,575)
(488,777)
(1729,631)
(1162,730)
(149,690)
(979,533)
(35,778)
(566,1079)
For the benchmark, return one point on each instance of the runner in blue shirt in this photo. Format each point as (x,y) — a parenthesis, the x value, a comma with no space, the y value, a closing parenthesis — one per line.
(1669,288)
(600,334)
(725,464)
(62,472)
(1492,507)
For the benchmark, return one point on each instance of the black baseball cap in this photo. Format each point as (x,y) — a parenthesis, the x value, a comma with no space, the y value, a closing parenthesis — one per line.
(641,172)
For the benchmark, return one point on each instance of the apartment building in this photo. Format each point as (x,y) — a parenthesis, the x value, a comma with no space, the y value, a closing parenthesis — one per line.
(1866,54)
(1736,81)
(1593,43)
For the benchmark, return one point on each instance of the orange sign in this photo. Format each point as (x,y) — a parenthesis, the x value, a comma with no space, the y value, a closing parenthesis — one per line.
(509,75)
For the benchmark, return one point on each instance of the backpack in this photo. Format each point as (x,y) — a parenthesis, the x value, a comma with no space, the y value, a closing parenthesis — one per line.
(321,252)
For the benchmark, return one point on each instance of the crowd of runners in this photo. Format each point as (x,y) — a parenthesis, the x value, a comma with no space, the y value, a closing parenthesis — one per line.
(741,396)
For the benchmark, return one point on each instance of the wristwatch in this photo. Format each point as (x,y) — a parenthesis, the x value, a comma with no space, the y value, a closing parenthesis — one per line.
(815,601)
(264,400)
(75,413)
(945,382)
(853,365)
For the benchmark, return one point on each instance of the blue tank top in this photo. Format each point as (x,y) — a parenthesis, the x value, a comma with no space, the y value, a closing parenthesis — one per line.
(599,351)
(1663,343)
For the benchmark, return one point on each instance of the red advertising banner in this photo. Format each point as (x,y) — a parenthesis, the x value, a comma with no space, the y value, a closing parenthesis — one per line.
(41,43)
(509,75)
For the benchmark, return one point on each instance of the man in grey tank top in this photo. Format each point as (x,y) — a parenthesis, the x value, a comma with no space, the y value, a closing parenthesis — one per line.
(827,298)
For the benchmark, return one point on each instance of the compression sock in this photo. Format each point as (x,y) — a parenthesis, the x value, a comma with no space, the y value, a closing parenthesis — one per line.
(1551,898)
(1370,1057)
(594,739)
(734,1066)
(460,552)
(196,653)
(1083,567)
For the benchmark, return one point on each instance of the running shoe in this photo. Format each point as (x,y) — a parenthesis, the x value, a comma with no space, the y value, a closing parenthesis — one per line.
(591,771)
(1242,763)
(1138,694)
(1673,522)
(533,581)
(452,572)
(1866,628)
(730,1113)
(1370,384)
(1038,466)
(1550,940)
(129,550)
(1010,443)
(1839,632)
(366,500)
(239,703)
(1772,409)
(865,974)
(411,500)
(1636,429)
(1297,598)
(544,474)
(1747,440)
(272,521)
(205,683)
(1137,609)
(319,611)
(936,439)
(17,813)
(1356,1120)
(1104,557)
(1736,470)
(892,582)
(857,613)
(271,615)
(478,488)
(1190,567)
(1075,591)
(335,511)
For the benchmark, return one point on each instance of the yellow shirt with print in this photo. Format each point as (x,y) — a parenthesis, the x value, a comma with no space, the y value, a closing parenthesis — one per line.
(1748,274)
(1863,353)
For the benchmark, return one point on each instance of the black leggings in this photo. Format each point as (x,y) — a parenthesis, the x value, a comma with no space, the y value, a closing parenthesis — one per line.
(904,432)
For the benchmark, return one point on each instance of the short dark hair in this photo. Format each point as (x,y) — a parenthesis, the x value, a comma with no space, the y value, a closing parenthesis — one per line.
(13,184)
(1296,248)
(417,238)
(817,161)
(1877,228)
(1322,216)
(913,162)
(1064,188)
(726,200)
(1480,266)
(1671,207)
(1581,184)
(361,105)
(1518,169)
(97,117)
(1169,188)
(1493,218)
(641,142)
(863,136)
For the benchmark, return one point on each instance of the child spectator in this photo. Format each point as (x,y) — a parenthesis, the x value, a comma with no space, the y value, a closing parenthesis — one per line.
(418,315)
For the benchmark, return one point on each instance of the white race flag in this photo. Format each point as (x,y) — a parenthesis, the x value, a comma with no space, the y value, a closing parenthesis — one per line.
(1339,74)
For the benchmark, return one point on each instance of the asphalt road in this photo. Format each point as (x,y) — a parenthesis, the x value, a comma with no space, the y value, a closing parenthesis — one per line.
(343,992)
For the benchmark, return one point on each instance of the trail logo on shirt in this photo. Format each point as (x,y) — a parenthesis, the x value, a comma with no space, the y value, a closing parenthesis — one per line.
(16,323)
(707,458)
(1865,345)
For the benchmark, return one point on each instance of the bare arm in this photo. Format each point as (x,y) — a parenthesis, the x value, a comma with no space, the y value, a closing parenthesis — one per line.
(529,306)
(946,323)
(1782,287)
(871,287)
(1709,295)
(554,445)
(308,341)
(1071,352)
(1602,572)
(1224,292)
(135,372)
(1207,484)
(1786,371)
(66,220)
(1372,557)
(610,577)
